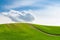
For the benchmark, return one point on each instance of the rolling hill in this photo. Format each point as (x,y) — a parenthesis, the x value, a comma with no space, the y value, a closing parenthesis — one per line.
(25,31)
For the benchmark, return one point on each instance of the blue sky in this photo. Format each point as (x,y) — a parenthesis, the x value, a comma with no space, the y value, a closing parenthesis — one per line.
(46,11)
(6,5)
(23,4)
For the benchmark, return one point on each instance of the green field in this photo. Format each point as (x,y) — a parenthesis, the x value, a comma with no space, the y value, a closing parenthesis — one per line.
(24,31)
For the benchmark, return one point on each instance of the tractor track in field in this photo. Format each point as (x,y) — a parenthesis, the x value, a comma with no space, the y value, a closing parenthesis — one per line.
(38,29)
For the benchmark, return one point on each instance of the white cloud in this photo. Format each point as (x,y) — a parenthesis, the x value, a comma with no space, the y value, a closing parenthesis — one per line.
(16,16)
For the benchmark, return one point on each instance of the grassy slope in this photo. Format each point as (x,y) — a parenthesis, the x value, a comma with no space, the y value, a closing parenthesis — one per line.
(24,31)
(49,29)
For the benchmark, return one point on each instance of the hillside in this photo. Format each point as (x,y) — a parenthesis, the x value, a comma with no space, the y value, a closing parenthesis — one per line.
(24,31)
